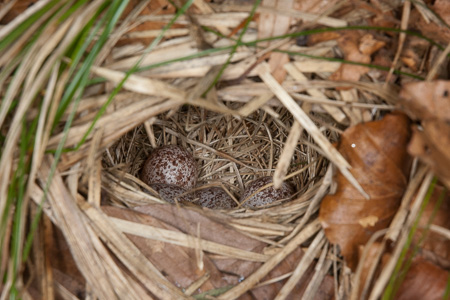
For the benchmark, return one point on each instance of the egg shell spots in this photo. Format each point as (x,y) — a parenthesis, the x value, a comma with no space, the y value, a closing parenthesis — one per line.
(214,198)
(267,195)
(170,193)
(170,165)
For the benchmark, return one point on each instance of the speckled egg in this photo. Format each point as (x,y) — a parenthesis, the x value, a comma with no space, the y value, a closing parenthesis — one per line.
(214,198)
(170,192)
(170,165)
(266,196)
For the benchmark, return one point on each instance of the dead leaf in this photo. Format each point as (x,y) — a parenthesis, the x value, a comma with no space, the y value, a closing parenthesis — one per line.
(158,7)
(415,51)
(349,42)
(423,279)
(435,247)
(322,37)
(269,291)
(382,17)
(367,264)
(179,264)
(432,147)
(288,265)
(410,59)
(186,220)
(377,153)
(434,30)
(383,58)
(368,45)
(18,8)
(61,264)
(429,102)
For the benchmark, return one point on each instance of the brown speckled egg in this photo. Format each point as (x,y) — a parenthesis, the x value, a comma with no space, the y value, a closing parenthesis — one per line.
(170,192)
(170,165)
(214,198)
(267,195)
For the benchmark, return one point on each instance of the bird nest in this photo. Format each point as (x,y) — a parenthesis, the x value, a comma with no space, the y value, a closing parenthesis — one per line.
(244,112)
(236,132)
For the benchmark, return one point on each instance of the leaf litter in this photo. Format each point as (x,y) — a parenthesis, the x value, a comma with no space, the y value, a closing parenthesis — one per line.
(277,110)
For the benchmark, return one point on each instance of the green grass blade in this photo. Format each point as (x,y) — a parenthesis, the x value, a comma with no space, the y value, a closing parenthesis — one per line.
(17,32)
(79,52)
(404,262)
(132,70)
(236,45)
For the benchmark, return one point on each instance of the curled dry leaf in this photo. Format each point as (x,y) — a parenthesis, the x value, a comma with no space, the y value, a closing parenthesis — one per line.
(429,102)
(377,153)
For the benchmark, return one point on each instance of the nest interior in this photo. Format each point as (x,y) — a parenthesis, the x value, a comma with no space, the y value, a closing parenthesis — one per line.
(230,151)
(243,110)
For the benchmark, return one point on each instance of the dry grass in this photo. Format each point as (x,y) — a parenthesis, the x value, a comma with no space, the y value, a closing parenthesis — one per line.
(246,127)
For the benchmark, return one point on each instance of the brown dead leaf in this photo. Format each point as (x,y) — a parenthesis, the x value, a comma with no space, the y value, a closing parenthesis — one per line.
(368,45)
(349,43)
(367,264)
(377,153)
(382,18)
(429,102)
(415,51)
(179,264)
(187,220)
(434,30)
(383,58)
(218,231)
(157,7)
(55,267)
(423,280)
(410,59)
(322,37)
(267,292)
(18,8)
(435,247)
(432,147)
(63,264)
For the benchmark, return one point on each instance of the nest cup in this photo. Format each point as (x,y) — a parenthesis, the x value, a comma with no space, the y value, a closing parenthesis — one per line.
(230,153)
